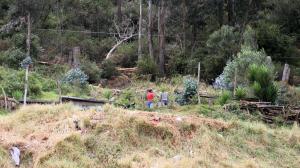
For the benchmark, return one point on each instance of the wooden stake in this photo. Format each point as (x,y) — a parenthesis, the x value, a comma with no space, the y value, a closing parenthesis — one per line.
(198,82)
(235,81)
(5,98)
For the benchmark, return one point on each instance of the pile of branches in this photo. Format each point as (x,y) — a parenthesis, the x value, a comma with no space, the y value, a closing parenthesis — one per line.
(273,113)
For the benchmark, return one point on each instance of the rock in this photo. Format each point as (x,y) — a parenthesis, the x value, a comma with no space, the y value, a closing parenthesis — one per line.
(15,155)
(177,158)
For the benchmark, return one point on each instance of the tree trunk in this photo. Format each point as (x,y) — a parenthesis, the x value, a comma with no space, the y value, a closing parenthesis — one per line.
(231,12)
(161,34)
(184,21)
(119,11)
(150,30)
(140,33)
(221,12)
(28,41)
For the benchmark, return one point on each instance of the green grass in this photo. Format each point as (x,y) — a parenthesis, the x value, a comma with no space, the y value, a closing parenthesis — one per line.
(51,96)
(3,112)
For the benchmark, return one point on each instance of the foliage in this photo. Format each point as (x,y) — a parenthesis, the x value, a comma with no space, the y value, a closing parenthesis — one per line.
(13,83)
(126,99)
(240,93)
(224,97)
(280,46)
(12,57)
(75,77)
(190,90)
(26,62)
(222,45)
(91,70)
(146,66)
(107,94)
(262,80)
(108,69)
(247,56)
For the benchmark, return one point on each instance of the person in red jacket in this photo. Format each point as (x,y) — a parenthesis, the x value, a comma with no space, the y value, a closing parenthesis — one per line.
(150,97)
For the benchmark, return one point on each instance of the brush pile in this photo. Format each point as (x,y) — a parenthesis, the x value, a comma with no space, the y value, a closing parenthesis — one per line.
(273,113)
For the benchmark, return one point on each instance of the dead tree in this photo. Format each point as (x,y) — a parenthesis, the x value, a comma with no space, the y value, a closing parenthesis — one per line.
(124,32)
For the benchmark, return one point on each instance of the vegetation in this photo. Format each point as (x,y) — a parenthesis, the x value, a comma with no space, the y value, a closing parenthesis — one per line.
(263,83)
(117,50)
(131,141)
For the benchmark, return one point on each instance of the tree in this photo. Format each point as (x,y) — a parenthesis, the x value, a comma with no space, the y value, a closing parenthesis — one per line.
(161,34)
(140,32)
(150,30)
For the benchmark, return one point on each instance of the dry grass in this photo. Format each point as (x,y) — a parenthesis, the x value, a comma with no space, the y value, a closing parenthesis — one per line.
(134,139)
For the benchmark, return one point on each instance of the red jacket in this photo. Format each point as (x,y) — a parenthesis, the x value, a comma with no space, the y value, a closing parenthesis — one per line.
(150,96)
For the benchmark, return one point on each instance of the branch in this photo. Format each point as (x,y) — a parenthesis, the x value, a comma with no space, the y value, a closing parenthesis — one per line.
(117,45)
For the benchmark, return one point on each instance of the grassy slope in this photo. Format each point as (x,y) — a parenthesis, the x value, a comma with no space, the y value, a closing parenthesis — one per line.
(124,139)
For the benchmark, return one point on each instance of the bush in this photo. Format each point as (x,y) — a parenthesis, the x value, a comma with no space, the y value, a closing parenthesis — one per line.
(224,97)
(262,81)
(190,90)
(126,99)
(12,58)
(108,69)
(91,70)
(240,93)
(75,77)
(147,66)
(13,83)
(107,94)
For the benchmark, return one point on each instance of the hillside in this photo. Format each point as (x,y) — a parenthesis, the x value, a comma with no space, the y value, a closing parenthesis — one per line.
(115,137)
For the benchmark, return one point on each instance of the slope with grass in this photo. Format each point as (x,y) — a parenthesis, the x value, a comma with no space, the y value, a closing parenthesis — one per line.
(119,138)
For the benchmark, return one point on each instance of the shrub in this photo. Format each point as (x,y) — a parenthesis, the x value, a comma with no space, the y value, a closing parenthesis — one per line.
(224,97)
(147,66)
(240,93)
(262,81)
(108,69)
(12,58)
(107,94)
(13,83)
(126,99)
(75,77)
(189,92)
(92,71)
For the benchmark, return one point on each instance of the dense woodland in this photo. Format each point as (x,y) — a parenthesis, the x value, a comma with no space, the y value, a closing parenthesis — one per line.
(162,38)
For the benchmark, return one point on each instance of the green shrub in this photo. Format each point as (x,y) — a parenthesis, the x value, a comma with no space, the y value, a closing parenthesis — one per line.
(92,71)
(107,94)
(262,81)
(108,69)
(147,67)
(224,97)
(18,95)
(12,57)
(126,99)
(189,92)
(240,93)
